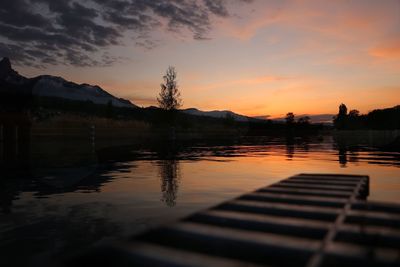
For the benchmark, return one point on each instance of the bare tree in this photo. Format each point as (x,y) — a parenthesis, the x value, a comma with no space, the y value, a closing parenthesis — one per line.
(169,97)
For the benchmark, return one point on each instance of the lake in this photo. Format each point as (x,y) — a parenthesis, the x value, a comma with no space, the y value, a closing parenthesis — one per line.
(75,196)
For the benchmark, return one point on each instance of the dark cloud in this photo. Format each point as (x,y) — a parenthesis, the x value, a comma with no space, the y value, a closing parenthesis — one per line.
(12,13)
(217,7)
(40,32)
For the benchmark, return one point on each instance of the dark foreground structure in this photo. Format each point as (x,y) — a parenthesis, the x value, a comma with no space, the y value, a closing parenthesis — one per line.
(306,220)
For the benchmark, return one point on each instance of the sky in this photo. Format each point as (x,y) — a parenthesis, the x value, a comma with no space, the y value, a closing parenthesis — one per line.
(254,57)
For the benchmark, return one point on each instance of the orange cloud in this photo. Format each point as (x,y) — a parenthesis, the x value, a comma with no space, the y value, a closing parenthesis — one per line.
(341,19)
(261,80)
(243,82)
(387,50)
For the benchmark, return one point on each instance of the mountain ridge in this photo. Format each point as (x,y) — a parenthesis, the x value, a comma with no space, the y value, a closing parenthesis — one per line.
(314,118)
(219,114)
(325,118)
(56,86)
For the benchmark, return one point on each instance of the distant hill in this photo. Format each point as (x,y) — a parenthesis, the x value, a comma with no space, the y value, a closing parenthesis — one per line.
(11,82)
(317,118)
(220,114)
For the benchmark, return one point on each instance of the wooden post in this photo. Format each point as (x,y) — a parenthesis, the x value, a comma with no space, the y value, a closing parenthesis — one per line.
(16,130)
(93,136)
(1,144)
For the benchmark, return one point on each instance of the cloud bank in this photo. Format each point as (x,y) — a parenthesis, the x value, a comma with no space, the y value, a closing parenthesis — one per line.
(50,32)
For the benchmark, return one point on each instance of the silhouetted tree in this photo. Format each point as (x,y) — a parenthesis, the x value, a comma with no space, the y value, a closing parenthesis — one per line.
(304,120)
(289,118)
(380,119)
(384,119)
(340,121)
(354,113)
(354,120)
(169,97)
(342,110)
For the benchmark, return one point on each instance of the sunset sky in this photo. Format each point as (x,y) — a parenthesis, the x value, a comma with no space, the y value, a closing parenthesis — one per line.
(255,57)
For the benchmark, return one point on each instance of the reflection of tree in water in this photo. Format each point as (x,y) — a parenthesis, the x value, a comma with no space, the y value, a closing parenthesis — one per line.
(347,155)
(170,177)
(290,149)
(341,146)
(296,144)
(354,156)
(342,157)
(347,151)
(305,144)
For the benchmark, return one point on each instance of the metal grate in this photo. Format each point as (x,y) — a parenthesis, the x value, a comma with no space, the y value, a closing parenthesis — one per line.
(306,220)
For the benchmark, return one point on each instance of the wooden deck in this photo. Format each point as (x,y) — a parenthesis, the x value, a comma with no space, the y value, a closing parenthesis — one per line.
(306,220)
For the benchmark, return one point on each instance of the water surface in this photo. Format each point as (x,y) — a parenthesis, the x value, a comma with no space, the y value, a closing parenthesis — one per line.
(81,197)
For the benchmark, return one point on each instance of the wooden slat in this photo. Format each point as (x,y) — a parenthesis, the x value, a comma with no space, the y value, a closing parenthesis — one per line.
(373,219)
(146,254)
(328,179)
(242,245)
(313,186)
(331,176)
(369,236)
(262,223)
(306,192)
(294,199)
(342,254)
(284,210)
(320,181)
(376,206)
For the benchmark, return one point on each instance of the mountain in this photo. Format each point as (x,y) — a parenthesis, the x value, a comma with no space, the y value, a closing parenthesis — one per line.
(8,75)
(217,114)
(319,118)
(52,86)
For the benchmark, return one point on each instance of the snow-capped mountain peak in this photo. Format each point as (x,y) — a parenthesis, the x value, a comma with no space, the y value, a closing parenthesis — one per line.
(53,86)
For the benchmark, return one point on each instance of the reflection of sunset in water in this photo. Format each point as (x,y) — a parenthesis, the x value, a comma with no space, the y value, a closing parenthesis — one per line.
(209,178)
(147,187)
